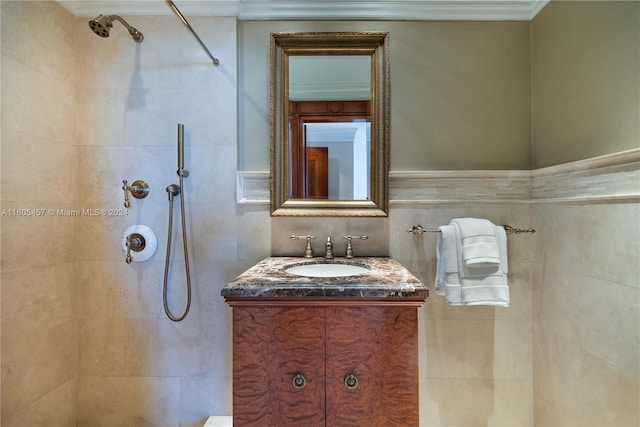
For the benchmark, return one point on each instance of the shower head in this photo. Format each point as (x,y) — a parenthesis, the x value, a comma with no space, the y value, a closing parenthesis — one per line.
(103,23)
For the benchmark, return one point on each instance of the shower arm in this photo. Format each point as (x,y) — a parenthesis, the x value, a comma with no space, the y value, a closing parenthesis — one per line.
(185,22)
(133,31)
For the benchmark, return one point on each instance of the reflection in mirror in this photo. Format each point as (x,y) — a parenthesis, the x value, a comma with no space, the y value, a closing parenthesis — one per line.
(330,78)
(329,124)
(337,155)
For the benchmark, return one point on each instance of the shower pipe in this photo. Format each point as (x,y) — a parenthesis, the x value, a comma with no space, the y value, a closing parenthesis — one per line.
(172,191)
(185,22)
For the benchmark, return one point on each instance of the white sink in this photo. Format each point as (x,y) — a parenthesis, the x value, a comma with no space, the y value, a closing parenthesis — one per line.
(327,269)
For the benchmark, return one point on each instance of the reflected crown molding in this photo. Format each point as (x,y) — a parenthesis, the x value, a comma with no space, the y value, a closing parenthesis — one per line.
(417,10)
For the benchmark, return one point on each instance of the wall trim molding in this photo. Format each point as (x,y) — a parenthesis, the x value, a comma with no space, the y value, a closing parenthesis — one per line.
(605,179)
(615,159)
(609,178)
(425,10)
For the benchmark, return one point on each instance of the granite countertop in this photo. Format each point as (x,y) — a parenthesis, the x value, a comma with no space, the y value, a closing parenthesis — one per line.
(387,278)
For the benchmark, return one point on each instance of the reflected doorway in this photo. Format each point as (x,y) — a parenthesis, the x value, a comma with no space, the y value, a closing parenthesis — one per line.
(331,150)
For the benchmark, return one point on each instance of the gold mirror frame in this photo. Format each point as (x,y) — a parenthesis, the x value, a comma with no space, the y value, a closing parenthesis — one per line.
(373,44)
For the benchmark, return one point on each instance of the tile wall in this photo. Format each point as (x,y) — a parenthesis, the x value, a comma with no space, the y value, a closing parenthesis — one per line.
(586,315)
(137,367)
(40,158)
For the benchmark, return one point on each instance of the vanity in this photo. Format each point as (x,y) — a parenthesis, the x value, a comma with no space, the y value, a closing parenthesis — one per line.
(319,342)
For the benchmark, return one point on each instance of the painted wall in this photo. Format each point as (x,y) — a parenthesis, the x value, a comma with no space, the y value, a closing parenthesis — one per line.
(455,87)
(585,65)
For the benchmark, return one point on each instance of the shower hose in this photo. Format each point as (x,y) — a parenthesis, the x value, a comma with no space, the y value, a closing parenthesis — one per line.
(168,257)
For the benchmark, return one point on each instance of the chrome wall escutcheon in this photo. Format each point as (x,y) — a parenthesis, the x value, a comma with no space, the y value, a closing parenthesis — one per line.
(351,381)
(299,380)
(136,242)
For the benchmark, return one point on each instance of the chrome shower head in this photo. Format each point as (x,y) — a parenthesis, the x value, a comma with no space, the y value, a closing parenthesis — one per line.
(103,24)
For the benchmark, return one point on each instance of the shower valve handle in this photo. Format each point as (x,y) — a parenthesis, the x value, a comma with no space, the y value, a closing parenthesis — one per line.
(139,189)
(135,242)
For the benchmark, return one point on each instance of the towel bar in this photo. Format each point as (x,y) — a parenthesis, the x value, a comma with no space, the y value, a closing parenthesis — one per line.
(418,229)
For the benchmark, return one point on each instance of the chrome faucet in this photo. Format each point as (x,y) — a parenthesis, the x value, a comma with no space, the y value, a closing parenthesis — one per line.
(349,253)
(308,252)
(328,249)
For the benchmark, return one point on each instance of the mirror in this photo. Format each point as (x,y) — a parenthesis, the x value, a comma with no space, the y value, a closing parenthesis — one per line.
(329,124)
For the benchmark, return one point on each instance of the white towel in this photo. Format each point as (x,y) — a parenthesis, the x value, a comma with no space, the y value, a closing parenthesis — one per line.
(485,284)
(447,275)
(479,242)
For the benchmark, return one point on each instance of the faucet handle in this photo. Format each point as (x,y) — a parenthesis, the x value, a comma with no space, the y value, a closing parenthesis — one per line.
(139,189)
(308,252)
(350,246)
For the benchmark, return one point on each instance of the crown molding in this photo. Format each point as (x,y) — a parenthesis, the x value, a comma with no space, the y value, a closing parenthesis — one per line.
(415,10)
(189,8)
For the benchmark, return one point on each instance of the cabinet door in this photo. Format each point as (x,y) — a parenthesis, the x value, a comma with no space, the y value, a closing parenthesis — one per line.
(270,346)
(379,346)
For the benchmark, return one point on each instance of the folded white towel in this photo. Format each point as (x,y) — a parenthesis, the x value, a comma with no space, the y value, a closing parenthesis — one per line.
(479,242)
(483,284)
(447,277)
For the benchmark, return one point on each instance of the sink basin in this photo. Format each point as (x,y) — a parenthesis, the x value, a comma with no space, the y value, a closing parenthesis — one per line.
(327,269)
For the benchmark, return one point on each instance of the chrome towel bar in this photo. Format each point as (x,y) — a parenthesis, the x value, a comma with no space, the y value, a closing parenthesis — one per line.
(418,229)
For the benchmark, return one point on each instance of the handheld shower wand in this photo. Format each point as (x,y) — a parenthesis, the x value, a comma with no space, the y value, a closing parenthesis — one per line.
(182,172)
(173,191)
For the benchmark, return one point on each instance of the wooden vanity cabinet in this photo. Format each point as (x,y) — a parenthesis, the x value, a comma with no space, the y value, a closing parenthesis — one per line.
(377,344)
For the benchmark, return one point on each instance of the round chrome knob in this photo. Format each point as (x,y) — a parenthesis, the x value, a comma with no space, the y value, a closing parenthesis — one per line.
(351,381)
(299,380)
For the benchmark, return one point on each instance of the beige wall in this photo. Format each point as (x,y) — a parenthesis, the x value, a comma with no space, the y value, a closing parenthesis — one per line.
(456,87)
(586,287)
(475,362)
(39,170)
(85,338)
(136,367)
(586,90)
(586,297)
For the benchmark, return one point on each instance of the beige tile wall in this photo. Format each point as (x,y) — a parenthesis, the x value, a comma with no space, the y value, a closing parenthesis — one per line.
(39,171)
(586,317)
(475,362)
(137,367)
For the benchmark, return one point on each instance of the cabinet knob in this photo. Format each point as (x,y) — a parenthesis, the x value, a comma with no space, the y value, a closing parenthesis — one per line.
(299,380)
(351,381)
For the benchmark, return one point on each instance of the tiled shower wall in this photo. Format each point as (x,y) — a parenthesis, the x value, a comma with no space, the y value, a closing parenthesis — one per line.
(39,173)
(85,338)
(136,367)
